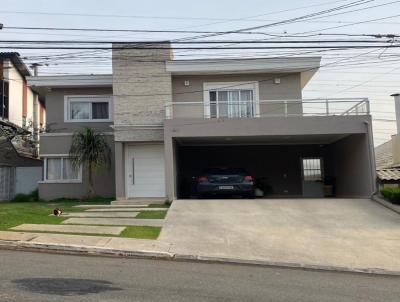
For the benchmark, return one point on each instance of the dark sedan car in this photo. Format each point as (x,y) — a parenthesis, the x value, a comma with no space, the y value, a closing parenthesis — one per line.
(225,181)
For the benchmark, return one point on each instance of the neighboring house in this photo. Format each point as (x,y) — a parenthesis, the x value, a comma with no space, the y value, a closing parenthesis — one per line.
(73,102)
(21,110)
(19,104)
(167,120)
(388,155)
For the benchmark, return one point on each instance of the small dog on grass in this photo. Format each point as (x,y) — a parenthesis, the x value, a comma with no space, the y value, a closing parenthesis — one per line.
(57,212)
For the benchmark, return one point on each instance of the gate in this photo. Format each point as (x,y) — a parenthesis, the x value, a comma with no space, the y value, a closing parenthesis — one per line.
(7,182)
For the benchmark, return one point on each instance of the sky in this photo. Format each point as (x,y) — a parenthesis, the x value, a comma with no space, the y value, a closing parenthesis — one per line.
(370,73)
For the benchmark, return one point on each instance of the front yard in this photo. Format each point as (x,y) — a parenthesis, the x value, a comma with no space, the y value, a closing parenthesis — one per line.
(14,213)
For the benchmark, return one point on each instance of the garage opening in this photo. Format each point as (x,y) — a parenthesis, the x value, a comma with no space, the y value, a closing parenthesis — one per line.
(338,168)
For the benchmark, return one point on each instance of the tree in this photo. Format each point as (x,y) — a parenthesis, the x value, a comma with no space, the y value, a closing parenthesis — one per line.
(90,150)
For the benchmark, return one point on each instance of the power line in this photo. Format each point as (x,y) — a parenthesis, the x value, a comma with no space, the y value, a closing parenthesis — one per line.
(286,21)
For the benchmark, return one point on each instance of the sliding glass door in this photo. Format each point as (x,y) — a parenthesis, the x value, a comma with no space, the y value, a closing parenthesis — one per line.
(233,103)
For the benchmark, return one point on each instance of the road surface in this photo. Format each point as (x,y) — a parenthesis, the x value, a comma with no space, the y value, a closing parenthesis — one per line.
(40,277)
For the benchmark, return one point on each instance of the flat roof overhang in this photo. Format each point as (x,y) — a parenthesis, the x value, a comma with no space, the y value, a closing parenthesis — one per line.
(306,66)
(322,139)
(41,84)
(268,126)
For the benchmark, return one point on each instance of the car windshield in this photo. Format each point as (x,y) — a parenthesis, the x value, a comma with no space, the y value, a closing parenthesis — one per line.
(225,171)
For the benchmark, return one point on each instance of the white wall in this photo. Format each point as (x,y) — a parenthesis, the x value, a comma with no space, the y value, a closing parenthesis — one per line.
(15,94)
(27,178)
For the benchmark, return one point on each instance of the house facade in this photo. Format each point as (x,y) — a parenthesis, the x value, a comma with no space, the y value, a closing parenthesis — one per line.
(170,119)
(19,104)
(21,111)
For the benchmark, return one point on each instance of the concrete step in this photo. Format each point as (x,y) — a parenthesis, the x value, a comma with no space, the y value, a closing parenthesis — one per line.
(102,214)
(83,229)
(115,221)
(113,209)
(136,201)
(107,206)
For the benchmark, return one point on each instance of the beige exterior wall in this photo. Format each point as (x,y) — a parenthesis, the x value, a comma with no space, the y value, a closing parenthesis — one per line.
(55,109)
(288,89)
(141,87)
(104,180)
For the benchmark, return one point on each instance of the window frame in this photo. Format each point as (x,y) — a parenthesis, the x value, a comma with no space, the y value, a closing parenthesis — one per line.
(68,99)
(227,86)
(5,99)
(62,157)
(320,170)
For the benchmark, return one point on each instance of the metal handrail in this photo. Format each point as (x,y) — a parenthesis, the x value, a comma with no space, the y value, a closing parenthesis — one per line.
(361,107)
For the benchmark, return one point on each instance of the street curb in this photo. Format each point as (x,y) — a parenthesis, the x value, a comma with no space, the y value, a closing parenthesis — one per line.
(386,204)
(156,255)
(82,250)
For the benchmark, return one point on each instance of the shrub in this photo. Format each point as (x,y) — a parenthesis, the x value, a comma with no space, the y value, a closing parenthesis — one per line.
(34,196)
(391,194)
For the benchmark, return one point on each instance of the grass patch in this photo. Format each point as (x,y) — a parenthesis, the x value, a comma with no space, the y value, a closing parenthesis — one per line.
(37,212)
(18,212)
(159,205)
(152,215)
(141,232)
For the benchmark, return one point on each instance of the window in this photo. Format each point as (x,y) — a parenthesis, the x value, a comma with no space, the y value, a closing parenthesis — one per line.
(231,103)
(88,108)
(59,169)
(4,101)
(231,100)
(312,170)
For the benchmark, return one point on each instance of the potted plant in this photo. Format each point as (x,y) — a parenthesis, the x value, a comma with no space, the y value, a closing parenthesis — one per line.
(329,186)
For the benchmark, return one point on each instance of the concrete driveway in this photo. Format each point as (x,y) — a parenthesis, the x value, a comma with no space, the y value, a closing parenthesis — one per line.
(351,233)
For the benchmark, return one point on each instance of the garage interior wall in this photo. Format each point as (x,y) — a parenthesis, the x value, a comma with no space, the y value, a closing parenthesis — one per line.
(353,164)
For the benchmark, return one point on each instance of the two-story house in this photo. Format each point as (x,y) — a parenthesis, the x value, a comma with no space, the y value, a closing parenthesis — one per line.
(19,104)
(22,111)
(170,119)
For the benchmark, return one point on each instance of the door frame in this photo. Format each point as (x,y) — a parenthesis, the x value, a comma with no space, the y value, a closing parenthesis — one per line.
(126,160)
(302,170)
(249,85)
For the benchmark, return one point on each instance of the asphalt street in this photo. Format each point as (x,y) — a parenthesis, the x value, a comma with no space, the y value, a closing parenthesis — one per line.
(26,276)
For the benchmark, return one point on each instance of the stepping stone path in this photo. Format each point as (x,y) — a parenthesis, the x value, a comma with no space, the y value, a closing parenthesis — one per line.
(105,206)
(84,229)
(102,214)
(115,221)
(126,209)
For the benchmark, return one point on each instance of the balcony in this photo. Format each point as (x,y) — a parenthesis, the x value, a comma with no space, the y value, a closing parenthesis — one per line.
(268,108)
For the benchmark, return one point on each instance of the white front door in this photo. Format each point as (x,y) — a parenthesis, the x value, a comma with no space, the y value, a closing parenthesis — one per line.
(145,171)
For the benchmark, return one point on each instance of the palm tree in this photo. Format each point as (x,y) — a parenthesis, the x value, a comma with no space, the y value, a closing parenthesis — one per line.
(90,150)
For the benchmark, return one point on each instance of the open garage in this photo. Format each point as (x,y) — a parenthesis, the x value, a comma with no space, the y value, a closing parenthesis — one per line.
(282,166)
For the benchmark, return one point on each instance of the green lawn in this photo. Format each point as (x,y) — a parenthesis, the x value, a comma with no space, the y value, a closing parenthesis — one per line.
(152,215)
(142,232)
(13,213)
(16,213)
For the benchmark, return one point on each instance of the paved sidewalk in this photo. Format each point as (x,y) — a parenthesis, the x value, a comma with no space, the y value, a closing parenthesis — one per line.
(62,241)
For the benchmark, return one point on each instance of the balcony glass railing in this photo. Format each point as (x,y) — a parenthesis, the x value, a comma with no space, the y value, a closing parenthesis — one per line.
(268,108)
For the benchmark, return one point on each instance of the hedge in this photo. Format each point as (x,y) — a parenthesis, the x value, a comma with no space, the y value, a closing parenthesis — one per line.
(391,194)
